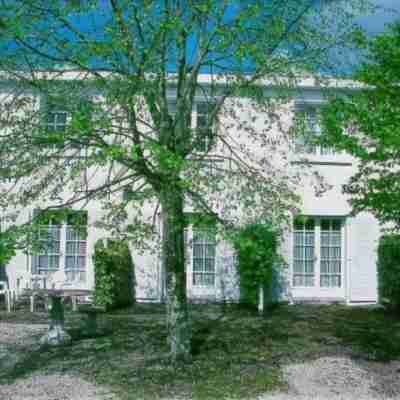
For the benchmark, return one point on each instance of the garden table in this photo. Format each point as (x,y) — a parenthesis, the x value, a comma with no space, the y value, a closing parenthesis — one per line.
(56,334)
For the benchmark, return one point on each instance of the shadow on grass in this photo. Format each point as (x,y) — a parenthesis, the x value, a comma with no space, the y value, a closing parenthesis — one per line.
(375,333)
(236,354)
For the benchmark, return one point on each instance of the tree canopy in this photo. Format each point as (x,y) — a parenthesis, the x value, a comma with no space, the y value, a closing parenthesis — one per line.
(154,105)
(366,123)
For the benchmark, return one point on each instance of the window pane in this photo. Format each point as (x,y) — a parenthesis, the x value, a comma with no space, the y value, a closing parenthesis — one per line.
(203,257)
(210,250)
(298,239)
(209,265)
(335,239)
(309,253)
(324,253)
(298,253)
(335,267)
(198,250)
(54,262)
(309,267)
(309,238)
(198,264)
(43,261)
(298,266)
(69,262)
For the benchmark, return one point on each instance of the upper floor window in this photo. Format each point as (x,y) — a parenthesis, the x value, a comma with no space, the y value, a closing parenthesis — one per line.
(56,119)
(308,130)
(204,139)
(203,128)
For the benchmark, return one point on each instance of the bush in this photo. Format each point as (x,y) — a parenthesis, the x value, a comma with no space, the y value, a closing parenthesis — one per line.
(7,249)
(114,274)
(256,247)
(389,270)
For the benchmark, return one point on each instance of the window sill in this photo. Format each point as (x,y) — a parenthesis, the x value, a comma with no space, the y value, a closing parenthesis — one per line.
(318,159)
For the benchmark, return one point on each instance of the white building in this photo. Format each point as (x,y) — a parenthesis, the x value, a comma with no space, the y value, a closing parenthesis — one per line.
(330,257)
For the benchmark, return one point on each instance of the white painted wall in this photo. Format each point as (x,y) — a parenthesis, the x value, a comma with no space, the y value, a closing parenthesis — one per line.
(360,234)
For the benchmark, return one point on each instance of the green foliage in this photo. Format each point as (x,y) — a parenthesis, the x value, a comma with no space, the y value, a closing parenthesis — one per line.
(389,270)
(256,246)
(113,274)
(7,249)
(366,122)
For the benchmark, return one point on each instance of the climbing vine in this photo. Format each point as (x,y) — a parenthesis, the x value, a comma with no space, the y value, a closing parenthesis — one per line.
(256,247)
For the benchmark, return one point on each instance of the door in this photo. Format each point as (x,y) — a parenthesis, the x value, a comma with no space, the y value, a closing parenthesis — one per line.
(318,258)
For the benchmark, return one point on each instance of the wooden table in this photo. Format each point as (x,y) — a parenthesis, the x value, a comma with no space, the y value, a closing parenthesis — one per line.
(56,335)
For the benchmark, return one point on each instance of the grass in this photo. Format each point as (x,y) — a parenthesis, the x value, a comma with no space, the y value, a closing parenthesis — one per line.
(237,354)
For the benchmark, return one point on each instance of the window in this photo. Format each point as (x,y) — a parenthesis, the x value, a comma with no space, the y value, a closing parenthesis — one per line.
(317,252)
(204,130)
(56,119)
(308,130)
(75,254)
(203,257)
(331,253)
(47,260)
(303,253)
(62,241)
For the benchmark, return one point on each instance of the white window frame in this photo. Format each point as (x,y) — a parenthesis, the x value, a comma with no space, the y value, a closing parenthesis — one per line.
(80,258)
(46,252)
(62,254)
(208,141)
(309,113)
(56,113)
(317,254)
(190,232)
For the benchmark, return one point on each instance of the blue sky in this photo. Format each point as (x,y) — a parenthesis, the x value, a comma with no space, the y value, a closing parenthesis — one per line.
(376,23)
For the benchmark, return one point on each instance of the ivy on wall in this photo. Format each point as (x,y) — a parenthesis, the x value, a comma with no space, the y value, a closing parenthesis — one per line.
(256,247)
(114,274)
(389,270)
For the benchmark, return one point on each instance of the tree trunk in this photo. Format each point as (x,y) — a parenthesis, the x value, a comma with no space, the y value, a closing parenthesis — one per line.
(173,252)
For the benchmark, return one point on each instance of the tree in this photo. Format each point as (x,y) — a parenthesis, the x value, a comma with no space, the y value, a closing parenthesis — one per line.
(128,75)
(366,124)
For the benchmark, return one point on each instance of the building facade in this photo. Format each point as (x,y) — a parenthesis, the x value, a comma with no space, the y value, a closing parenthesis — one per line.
(330,255)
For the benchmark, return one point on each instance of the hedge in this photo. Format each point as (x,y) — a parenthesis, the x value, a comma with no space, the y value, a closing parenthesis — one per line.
(256,247)
(114,274)
(389,270)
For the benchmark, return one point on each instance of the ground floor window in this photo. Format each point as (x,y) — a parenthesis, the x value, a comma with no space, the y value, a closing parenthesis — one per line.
(61,244)
(203,257)
(317,252)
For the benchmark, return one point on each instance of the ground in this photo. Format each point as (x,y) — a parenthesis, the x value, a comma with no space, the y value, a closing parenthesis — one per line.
(300,351)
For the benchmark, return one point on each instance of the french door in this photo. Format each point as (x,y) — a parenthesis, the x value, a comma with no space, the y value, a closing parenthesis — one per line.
(318,257)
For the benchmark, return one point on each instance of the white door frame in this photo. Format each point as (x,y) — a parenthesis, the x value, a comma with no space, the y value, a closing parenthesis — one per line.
(316,291)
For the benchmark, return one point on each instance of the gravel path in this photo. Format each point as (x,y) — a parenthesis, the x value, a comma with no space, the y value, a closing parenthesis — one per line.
(340,378)
(53,387)
(13,339)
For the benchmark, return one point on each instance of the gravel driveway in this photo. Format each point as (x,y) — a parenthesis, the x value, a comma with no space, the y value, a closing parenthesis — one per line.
(14,338)
(340,377)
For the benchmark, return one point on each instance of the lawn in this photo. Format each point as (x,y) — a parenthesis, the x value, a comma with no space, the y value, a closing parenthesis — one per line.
(236,353)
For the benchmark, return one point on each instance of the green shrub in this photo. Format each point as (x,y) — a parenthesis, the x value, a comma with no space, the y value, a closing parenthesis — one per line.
(114,269)
(7,249)
(389,270)
(256,247)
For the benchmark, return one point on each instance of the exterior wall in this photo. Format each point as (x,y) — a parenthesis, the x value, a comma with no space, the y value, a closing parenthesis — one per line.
(359,234)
